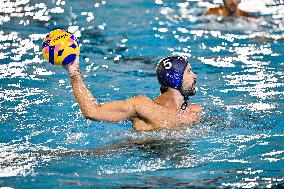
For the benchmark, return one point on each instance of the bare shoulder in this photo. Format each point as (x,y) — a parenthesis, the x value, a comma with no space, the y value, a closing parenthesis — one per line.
(219,11)
(145,108)
(195,108)
(211,11)
(141,99)
(246,14)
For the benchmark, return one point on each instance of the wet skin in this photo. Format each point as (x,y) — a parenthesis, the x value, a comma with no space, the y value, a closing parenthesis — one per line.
(145,114)
(230,8)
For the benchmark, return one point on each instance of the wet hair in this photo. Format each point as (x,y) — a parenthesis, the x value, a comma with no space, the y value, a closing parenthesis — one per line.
(163,89)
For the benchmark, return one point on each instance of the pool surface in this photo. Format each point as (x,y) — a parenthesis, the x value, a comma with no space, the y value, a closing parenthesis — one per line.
(240,68)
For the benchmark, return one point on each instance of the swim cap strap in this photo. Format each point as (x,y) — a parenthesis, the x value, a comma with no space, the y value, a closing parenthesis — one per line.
(184,104)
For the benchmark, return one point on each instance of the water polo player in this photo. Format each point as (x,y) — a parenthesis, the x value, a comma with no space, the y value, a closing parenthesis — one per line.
(230,8)
(169,110)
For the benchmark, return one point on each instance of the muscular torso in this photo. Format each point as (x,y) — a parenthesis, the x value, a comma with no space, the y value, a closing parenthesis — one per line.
(163,117)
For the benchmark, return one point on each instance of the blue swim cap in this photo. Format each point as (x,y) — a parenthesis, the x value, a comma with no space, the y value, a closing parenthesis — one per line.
(170,71)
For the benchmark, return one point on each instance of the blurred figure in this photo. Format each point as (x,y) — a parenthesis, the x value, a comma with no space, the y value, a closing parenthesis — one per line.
(230,8)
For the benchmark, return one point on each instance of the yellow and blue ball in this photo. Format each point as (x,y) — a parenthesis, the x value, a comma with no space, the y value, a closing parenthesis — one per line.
(60,47)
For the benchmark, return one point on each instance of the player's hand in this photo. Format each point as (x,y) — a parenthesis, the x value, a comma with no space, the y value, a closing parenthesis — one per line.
(73,67)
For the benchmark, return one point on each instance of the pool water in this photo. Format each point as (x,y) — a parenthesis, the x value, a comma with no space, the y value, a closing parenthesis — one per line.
(239,64)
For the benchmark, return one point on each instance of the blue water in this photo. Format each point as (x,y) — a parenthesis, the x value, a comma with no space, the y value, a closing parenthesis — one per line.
(239,64)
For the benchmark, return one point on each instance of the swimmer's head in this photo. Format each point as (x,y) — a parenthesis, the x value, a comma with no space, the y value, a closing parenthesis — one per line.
(175,72)
(232,5)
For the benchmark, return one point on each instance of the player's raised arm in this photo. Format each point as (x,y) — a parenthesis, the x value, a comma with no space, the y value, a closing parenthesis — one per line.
(91,109)
(169,110)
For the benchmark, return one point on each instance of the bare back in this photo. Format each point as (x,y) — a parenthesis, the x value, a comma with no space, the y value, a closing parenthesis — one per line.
(152,115)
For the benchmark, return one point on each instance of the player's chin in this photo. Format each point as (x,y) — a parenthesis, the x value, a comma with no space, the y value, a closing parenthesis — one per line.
(190,91)
(193,91)
(233,8)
